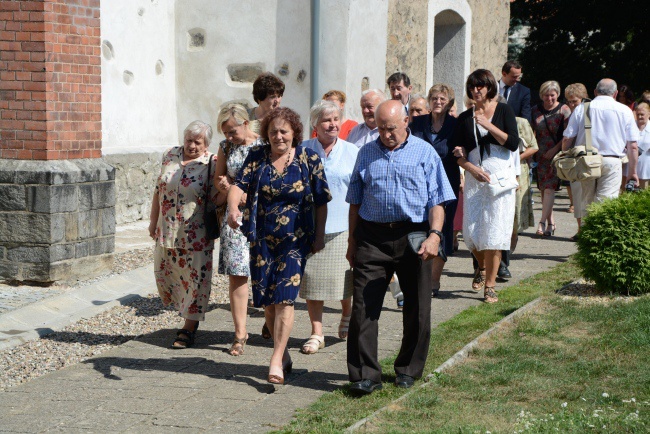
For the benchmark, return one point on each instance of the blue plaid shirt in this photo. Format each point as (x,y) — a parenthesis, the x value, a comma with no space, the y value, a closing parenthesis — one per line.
(398,185)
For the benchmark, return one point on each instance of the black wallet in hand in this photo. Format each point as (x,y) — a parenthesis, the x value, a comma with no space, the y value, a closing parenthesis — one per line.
(416,239)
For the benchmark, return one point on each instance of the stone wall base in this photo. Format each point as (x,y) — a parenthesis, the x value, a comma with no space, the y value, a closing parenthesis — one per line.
(135,179)
(57,219)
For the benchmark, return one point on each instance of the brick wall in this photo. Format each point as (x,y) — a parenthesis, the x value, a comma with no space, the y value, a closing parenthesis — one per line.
(50,79)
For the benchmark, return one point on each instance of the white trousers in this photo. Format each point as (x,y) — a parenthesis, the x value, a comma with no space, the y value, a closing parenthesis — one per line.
(607,186)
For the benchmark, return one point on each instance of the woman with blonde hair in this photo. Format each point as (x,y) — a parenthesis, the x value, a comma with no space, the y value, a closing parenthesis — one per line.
(548,120)
(233,123)
(642,113)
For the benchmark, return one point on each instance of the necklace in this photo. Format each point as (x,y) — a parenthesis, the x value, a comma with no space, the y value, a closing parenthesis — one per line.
(286,163)
(280,175)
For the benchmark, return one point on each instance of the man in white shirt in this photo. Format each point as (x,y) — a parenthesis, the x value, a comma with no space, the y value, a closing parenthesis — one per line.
(613,129)
(367,131)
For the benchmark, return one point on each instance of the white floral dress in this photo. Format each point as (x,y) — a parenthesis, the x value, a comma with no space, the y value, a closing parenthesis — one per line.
(234,247)
(183,256)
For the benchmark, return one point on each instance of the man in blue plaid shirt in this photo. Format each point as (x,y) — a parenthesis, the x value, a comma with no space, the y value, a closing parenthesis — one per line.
(398,186)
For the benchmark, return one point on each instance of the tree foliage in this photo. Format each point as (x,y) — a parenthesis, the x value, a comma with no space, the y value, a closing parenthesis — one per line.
(582,41)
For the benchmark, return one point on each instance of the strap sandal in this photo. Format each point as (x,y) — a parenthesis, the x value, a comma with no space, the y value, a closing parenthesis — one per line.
(478,282)
(489,295)
(184,338)
(266,333)
(313,344)
(550,230)
(344,326)
(541,229)
(237,347)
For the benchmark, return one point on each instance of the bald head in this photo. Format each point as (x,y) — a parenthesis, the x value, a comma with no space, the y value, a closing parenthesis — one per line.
(392,122)
(606,87)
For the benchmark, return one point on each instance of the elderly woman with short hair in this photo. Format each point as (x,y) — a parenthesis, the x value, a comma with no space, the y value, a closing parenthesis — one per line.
(437,128)
(327,274)
(268,90)
(339,98)
(284,220)
(548,120)
(233,123)
(183,254)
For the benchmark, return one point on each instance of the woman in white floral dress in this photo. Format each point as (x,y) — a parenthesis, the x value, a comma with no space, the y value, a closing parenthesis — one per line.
(234,248)
(183,254)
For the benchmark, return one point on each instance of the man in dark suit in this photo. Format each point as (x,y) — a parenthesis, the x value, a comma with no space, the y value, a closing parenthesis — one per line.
(518,97)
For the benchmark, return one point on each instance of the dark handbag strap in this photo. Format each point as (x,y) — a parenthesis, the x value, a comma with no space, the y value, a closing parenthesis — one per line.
(207,185)
(588,146)
(548,128)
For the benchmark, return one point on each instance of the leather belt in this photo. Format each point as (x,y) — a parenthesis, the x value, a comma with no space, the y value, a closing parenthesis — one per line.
(391,225)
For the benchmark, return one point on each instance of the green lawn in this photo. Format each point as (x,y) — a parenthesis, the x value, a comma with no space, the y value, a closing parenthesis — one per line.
(424,411)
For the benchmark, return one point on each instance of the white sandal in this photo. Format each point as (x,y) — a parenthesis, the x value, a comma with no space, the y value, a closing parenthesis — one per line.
(313,344)
(344,326)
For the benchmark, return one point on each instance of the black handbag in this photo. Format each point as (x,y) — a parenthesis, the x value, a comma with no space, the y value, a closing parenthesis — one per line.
(212,227)
(416,239)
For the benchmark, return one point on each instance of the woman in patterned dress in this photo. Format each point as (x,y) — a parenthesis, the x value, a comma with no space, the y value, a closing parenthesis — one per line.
(549,120)
(284,220)
(233,123)
(183,255)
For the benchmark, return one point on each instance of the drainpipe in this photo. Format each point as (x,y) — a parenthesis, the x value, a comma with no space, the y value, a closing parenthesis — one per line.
(315,51)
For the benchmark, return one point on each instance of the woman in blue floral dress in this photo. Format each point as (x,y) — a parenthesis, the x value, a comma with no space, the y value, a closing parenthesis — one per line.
(233,123)
(284,220)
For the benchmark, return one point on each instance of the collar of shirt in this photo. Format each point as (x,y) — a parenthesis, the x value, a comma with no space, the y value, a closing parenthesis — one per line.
(386,151)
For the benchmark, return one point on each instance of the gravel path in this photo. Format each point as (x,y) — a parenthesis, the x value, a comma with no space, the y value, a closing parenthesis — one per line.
(92,336)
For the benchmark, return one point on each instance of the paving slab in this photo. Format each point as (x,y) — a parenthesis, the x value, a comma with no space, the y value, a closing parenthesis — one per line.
(143,386)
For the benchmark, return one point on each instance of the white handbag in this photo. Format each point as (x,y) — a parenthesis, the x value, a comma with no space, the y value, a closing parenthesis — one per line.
(502,181)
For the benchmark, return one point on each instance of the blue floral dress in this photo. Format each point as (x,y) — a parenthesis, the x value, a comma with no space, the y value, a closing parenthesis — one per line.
(279,220)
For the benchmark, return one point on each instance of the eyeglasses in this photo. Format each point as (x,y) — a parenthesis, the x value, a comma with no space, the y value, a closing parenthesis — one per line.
(478,87)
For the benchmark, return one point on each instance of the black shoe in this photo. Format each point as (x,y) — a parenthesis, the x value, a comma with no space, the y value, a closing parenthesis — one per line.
(404,381)
(364,387)
(504,273)
(434,292)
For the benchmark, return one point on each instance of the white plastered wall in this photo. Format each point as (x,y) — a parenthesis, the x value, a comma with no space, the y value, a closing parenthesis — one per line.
(454,65)
(138,76)
(352,47)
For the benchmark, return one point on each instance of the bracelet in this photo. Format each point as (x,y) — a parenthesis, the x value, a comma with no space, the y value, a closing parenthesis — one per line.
(437,232)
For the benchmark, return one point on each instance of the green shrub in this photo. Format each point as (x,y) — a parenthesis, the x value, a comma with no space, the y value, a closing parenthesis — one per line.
(614,244)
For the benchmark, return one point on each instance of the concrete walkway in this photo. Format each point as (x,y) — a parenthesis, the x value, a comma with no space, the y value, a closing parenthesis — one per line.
(143,386)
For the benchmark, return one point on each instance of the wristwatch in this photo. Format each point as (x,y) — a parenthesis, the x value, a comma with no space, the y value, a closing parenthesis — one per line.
(437,232)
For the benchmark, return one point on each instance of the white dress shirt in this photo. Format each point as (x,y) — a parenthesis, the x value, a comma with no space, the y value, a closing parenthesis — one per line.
(362,134)
(338,170)
(612,126)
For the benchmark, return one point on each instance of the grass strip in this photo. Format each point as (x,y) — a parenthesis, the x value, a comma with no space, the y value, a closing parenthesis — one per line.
(570,366)
(335,411)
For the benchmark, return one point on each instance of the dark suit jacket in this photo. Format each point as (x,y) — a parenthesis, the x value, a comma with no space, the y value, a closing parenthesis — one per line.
(519,100)
(421,127)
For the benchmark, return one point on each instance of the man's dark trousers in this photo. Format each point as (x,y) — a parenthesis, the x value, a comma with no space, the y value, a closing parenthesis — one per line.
(382,251)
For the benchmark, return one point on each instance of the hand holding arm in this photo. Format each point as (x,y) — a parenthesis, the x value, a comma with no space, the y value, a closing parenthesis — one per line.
(234,196)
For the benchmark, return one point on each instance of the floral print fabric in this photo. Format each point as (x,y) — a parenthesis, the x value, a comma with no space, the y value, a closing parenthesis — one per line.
(233,245)
(544,120)
(183,256)
(279,220)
